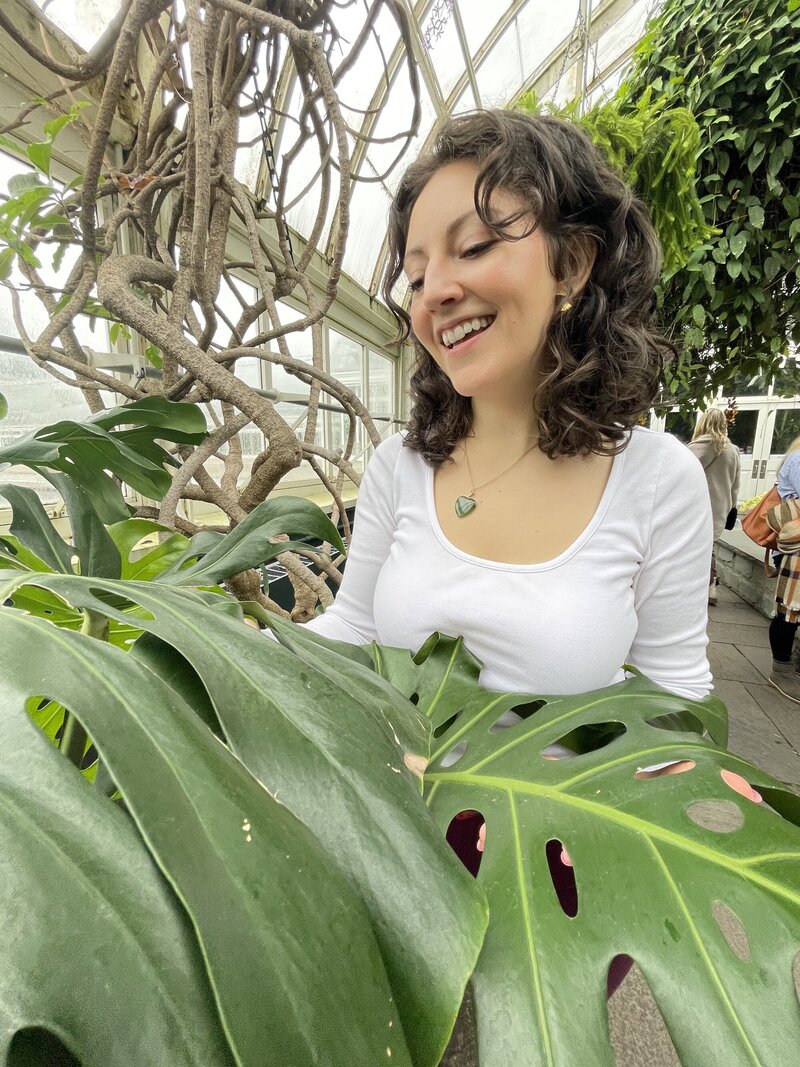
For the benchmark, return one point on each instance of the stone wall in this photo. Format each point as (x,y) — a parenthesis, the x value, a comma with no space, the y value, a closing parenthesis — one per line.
(744,574)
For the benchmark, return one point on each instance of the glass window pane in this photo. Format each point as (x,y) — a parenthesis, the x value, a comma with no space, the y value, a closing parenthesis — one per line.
(300,347)
(251,438)
(787,427)
(345,363)
(35,399)
(743,431)
(345,360)
(82,20)
(381,374)
(295,416)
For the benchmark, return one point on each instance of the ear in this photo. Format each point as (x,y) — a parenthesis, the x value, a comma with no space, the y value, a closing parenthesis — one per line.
(580,257)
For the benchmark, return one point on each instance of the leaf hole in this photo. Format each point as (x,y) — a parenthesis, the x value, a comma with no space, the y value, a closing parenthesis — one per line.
(445,726)
(591,737)
(739,785)
(506,721)
(34,1047)
(660,770)
(453,755)
(617,972)
(636,1026)
(121,603)
(732,930)
(678,722)
(89,757)
(526,710)
(721,816)
(414,698)
(562,876)
(466,836)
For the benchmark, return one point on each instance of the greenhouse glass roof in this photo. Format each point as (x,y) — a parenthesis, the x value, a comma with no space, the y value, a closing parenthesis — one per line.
(466,54)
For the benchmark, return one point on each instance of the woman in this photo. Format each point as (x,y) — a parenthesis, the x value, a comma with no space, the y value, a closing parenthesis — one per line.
(721,464)
(785,521)
(524,508)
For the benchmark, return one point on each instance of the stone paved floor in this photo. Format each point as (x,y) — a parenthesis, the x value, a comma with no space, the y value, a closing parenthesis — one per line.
(764,729)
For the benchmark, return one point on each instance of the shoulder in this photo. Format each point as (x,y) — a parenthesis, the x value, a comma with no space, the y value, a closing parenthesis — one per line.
(654,447)
(662,460)
(732,450)
(391,455)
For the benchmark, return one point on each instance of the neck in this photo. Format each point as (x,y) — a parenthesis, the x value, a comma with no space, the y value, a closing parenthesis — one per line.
(510,425)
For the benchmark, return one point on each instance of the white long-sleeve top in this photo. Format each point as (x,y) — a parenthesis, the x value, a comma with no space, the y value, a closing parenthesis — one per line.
(632,588)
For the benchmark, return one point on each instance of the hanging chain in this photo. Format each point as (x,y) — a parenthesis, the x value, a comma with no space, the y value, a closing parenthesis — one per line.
(268,147)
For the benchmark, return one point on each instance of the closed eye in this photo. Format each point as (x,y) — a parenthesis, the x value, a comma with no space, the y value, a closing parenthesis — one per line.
(477,250)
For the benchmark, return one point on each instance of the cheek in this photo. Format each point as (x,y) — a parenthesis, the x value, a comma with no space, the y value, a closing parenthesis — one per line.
(420,324)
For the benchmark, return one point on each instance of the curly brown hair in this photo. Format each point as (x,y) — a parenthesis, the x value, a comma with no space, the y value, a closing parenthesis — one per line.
(603,360)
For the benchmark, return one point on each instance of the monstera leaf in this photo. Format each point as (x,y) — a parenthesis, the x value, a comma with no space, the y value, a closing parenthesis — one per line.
(698,884)
(88,451)
(335,924)
(89,922)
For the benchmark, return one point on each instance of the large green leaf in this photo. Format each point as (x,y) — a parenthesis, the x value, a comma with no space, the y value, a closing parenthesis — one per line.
(95,452)
(332,730)
(96,551)
(250,543)
(14,554)
(34,529)
(650,881)
(152,562)
(156,411)
(652,866)
(290,953)
(95,947)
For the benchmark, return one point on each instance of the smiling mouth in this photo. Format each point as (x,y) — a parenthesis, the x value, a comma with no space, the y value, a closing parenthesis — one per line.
(465,331)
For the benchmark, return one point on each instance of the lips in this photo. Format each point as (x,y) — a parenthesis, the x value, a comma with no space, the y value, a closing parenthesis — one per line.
(452,337)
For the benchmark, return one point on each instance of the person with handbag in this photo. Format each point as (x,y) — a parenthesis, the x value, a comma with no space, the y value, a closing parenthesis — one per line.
(722,467)
(784,520)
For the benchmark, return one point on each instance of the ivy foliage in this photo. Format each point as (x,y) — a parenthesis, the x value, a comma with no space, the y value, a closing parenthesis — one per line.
(734,305)
(655,147)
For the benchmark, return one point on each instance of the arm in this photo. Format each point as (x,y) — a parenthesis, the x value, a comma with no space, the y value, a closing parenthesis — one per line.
(350,618)
(671,588)
(736,479)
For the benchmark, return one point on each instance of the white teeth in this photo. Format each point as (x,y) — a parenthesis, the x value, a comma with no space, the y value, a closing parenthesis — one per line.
(460,331)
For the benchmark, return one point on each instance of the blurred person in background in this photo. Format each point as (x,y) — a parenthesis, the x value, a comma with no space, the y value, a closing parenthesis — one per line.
(785,521)
(721,464)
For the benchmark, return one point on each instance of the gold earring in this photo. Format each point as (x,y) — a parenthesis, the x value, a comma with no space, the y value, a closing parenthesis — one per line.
(565,307)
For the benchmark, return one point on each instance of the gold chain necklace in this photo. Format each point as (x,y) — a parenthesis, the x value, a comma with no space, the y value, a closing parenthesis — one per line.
(466,504)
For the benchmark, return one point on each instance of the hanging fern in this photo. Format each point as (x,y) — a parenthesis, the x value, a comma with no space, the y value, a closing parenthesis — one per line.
(655,149)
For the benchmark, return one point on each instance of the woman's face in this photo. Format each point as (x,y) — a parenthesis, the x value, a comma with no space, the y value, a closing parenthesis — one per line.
(480,305)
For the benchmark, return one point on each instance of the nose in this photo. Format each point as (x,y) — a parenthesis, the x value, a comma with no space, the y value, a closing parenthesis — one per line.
(441,284)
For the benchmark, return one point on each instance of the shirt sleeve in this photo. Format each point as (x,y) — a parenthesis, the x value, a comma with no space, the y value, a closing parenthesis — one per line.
(736,479)
(671,588)
(789,477)
(351,617)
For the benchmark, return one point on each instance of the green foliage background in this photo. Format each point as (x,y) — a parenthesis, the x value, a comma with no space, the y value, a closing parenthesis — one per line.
(734,304)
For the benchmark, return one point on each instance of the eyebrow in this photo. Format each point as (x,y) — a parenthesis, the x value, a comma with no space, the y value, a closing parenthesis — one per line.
(451,229)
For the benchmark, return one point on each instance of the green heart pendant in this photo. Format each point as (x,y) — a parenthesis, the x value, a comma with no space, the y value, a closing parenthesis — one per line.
(464,505)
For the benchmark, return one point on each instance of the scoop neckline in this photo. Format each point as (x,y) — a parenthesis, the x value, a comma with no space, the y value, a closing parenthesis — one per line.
(549,564)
